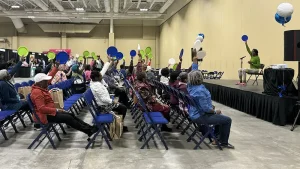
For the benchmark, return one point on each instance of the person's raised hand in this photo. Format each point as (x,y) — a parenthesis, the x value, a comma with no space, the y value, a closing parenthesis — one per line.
(109,58)
(57,63)
(218,112)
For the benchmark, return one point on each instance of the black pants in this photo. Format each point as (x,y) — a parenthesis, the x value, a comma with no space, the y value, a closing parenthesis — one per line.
(121,110)
(70,120)
(123,98)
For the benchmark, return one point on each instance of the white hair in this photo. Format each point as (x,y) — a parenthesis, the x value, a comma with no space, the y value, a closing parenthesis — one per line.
(195,77)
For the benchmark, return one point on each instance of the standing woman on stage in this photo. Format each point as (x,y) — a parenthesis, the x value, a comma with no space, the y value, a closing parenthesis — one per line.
(254,65)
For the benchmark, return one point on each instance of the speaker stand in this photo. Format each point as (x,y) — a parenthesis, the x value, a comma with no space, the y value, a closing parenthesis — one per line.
(298,102)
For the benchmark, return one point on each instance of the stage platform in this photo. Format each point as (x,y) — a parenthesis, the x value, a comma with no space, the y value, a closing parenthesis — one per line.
(251,100)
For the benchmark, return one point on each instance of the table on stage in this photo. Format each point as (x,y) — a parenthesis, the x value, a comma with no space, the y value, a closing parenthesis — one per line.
(274,78)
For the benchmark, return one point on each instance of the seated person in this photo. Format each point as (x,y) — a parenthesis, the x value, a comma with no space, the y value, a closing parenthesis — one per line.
(118,91)
(87,73)
(10,99)
(182,85)
(254,65)
(75,72)
(60,75)
(150,74)
(149,98)
(46,111)
(173,82)
(165,76)
(206,112)
(103,98)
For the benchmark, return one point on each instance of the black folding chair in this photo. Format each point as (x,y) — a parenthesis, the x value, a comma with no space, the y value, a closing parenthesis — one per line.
(260,73)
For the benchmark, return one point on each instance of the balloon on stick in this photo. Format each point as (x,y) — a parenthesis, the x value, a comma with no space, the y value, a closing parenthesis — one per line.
(23,51)
(201,54)
(244,38)
(119,55)
(172,61)
(132,53)
(112,51)
(285,10)
(197,45)
(181,53)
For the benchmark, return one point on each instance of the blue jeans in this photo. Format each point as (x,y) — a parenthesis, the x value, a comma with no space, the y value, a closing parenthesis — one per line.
(217,119)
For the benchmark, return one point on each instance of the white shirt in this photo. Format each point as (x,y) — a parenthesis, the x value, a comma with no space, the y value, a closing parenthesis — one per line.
(100,93)
(164,80)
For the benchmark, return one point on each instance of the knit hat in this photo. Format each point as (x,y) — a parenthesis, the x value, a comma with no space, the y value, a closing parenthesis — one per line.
(75,68)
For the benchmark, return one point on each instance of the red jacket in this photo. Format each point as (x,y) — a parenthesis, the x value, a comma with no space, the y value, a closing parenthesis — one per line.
(43,103)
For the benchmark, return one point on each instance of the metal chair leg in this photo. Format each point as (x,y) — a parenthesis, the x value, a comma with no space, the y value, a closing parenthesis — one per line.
(295,121)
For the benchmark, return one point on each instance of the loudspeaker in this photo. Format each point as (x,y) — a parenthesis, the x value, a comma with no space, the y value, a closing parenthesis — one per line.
(292,45)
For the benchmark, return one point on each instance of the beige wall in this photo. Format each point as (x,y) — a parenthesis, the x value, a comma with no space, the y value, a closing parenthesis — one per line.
(224,22)
(126,39)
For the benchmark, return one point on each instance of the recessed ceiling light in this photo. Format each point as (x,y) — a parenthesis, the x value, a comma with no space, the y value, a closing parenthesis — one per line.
(31,17)
(143,9)
(15,6)
(79,9)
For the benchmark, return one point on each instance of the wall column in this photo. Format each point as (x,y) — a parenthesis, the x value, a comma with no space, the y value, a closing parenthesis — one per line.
(157,40)
(63,41)
(14,43)
(111,37)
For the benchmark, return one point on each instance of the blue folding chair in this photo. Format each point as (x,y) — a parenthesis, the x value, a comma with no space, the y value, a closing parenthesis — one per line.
(31,82)
(7,116)
(210,128)
(24,84)
(46,128)
(153,121)
(101,120)
(17,86)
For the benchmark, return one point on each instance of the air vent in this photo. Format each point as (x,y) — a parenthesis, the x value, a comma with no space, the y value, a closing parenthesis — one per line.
(70,0)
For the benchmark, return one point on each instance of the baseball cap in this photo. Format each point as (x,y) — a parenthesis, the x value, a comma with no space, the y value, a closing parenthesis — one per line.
(41,77)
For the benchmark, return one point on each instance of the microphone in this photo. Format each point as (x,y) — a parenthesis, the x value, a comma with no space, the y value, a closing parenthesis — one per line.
(243,57)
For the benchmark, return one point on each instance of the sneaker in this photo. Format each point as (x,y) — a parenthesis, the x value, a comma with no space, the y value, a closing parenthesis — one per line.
(166,128)
(238,83)
(229,146)
(244,84)
(37,127)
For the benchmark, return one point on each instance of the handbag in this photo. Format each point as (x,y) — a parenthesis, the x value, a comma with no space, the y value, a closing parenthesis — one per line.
(116,128)
(58,97)
(78,86)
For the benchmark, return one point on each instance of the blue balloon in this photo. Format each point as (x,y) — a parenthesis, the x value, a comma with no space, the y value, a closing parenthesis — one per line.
(119,55)
(112,51)
(62,57)
(201,34)
(132,53)
(181,53)
(282,20)
(244,38)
